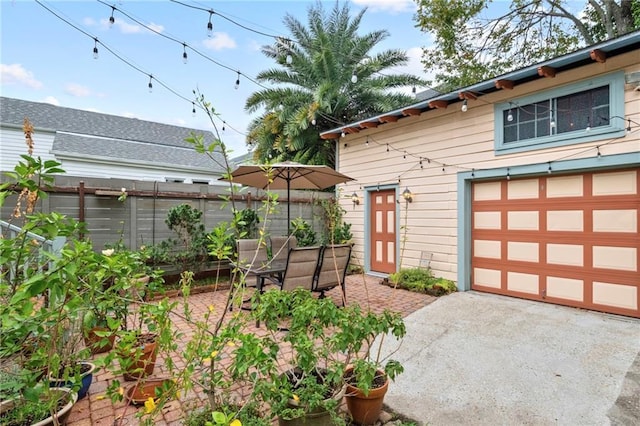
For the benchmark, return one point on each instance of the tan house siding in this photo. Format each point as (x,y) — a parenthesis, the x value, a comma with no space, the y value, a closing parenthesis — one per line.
(457,142)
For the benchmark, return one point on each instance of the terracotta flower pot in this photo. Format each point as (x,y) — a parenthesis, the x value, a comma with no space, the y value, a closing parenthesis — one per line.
(365,409)
(145,364)
(140,392)
(98,344)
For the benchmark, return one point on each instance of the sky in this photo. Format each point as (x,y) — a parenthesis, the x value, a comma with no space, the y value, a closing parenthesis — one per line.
(45,59)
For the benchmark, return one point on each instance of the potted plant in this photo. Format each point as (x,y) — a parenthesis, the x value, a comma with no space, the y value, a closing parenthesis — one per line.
(368,375)
(310,391)
(41,294)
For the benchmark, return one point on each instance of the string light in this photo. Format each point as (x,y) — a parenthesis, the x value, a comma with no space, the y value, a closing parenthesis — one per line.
(95,49)
(588,128)
(150,83)
(508,174)
(510,113)
(133,66)
(367,142)
(112,20)
(193,111)
(464,105)
(405,155)
(313,122)
(387,147)
(473,173)
(210,24)
(549,169)
(598,149)
(342,134)
(421,166)
(629,126)
(354,78)
(237,81)
(184,53)
(224,123)
(289,59)
(414,92)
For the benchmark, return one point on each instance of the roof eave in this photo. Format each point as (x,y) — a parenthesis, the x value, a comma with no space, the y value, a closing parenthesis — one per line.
(568,61)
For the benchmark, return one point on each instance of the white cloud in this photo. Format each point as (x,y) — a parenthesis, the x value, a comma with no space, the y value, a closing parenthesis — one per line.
(219,41)
(255,46)
(51,100)
(15,74)
(127,28)
(156,27)
(77,90)
(89,22)
(393,6)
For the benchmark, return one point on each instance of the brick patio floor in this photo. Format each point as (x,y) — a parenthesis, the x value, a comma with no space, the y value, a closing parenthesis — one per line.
(96,409)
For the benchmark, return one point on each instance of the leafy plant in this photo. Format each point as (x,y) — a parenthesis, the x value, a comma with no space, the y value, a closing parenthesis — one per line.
(422,280)
(303,232)
(336,231)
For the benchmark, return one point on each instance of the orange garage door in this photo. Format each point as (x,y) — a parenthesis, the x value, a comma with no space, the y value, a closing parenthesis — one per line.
(567,239)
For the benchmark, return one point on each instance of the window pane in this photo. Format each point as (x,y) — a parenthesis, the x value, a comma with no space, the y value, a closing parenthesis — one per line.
(527,130)
(511,133)
(542,127)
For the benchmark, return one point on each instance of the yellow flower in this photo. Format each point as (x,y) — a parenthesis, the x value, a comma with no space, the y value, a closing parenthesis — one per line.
(100,397)
(214,354)
(211,307)
(149,405)
(178,394)
(230,344)
(236,422)
(296,398)
(206,360)
(121,390)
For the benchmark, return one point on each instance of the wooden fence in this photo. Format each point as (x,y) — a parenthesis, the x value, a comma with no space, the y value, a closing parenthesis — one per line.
(140,218)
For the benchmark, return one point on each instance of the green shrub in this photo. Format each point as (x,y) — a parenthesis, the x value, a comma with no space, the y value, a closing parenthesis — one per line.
(422,281)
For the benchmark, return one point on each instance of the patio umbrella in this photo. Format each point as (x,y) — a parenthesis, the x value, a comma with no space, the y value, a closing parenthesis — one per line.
(287,175)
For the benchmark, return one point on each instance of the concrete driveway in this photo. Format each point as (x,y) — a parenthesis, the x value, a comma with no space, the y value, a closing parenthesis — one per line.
(479,359)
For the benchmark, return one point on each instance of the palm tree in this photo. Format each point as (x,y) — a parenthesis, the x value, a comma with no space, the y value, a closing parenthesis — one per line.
(326,76)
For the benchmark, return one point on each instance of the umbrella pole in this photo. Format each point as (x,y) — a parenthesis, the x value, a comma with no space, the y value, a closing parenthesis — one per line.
(288,207)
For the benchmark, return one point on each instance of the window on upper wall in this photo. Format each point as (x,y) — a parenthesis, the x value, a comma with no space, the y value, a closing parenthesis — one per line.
(577,113)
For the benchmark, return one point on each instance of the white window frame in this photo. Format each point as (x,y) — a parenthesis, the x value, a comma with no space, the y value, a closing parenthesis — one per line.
(615,128)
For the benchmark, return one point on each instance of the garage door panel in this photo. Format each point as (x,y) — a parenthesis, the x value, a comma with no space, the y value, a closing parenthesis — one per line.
(572,240)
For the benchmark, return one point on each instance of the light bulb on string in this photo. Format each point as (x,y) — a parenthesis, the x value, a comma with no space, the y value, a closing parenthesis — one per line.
(510,116)
(313,122)
(150,85)
(95,49)
(210,24)
(367,142)
(193,111)
(598,151)
(289,59)
(112,20)
(413,92)
(343,134)
(549,168)
(508,174)
(223,125)
(387,147)
(237,81)
(184,53)
(280,107)
(354,78)
(464,106)
(628,129)
(405,155)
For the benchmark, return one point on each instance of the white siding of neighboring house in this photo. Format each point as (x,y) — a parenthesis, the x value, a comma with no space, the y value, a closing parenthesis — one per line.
(13,145)
(97,168)
(463,141)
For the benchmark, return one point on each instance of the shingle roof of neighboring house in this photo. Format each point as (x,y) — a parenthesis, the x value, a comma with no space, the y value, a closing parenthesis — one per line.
(626,43)
(80,133)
